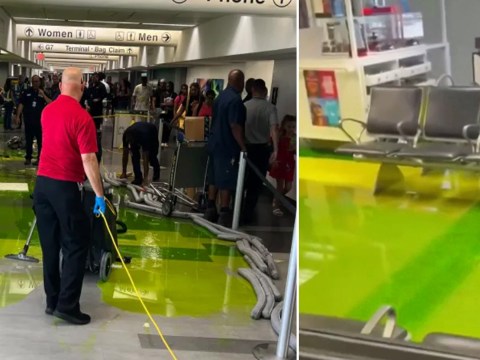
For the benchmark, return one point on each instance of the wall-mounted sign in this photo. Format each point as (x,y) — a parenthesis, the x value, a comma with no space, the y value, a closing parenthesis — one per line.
(241,7)
(83,35)
(85,49)
(81,56)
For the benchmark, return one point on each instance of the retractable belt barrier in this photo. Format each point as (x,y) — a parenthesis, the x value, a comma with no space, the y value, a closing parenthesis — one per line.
(288,206)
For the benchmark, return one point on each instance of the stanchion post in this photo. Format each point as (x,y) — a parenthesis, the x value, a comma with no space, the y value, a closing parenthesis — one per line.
(239,192)
(288,310)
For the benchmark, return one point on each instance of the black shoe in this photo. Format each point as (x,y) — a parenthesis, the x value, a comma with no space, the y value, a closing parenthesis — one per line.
(77,318)
(27,162)
(211,215)
(137,182)
(225,219)
(49,310)
(35,163)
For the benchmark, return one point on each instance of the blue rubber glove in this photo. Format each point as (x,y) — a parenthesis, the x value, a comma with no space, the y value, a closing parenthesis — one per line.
(180,137)
(100,205)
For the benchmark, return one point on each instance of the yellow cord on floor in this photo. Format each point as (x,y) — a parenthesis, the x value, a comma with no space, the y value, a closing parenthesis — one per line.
(133,283)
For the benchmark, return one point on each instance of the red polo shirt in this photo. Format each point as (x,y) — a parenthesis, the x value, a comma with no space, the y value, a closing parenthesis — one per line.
(67,132)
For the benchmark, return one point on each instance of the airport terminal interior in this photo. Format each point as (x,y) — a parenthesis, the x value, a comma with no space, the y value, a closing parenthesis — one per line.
(214,292)
(388,179)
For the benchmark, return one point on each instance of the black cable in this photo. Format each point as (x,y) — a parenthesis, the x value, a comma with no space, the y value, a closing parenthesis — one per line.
(123,227)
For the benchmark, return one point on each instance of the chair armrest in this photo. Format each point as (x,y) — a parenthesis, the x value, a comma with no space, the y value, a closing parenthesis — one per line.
(468,128)
(402,124)
(364,127)
(385,312)
(445,77)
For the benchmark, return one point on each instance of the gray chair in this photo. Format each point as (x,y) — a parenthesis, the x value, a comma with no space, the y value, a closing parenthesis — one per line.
(453,344)
(373,327)
(394,115)
(451,126)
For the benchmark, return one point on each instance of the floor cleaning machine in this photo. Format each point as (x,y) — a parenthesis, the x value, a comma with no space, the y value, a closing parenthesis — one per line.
(101,252)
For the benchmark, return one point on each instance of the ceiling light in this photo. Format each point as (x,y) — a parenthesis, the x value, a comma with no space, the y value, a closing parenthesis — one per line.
(163,24)
(105,22)
(35,19)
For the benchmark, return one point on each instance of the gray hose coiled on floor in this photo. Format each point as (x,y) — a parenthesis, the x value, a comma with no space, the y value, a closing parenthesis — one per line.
(138,197)
(257,260)
(277,325)
(272,267)
(250,276)
(143,207)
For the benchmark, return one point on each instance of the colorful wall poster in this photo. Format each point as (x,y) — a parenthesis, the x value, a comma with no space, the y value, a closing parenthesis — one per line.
(322,94)
(210,84)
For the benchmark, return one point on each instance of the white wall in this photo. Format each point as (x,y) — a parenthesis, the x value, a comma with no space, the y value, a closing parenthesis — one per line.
(285,78)
(236,35)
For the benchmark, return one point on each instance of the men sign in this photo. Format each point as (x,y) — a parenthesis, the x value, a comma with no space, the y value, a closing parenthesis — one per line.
(82,35)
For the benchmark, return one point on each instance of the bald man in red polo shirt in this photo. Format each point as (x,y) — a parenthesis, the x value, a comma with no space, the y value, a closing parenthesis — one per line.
(69,147)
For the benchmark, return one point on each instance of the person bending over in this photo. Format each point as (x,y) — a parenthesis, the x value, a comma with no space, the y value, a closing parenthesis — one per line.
(144,136)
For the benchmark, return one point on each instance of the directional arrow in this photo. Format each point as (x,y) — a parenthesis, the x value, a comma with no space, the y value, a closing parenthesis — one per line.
(29,32)
(129,50)
(166,37)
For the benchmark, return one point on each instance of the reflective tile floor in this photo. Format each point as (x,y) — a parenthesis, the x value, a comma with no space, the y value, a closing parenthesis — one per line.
(419,252)
(186,277)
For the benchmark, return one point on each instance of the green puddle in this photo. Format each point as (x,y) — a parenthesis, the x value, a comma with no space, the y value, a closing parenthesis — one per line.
(179,268)
(359,252)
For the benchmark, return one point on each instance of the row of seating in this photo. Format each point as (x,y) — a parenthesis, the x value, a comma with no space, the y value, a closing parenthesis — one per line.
(323,337)
(418,126)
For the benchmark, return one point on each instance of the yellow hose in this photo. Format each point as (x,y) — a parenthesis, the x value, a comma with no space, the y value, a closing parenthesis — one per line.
(133,283)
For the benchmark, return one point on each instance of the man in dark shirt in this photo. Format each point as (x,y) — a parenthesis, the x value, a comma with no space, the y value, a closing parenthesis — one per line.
(55,88)
(94,97)
(145,136)
(248,89)
(32,103)
(225,143)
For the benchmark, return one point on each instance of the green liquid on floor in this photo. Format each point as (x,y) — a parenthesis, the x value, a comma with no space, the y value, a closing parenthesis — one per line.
(180,269)
(359,251)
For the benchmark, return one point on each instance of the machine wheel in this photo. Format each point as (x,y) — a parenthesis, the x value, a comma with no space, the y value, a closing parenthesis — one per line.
(106,266)
(167,208)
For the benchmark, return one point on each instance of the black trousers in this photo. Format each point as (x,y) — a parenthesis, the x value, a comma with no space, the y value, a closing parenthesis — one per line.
(137,167)
(33,130)
(62,224)
(259,154)
(99,145)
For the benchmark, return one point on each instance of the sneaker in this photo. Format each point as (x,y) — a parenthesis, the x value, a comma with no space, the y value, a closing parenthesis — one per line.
(211,215)
(78,318)
(225,219)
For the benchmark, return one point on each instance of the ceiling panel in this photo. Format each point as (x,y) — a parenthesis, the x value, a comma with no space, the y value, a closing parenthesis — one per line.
(44,13)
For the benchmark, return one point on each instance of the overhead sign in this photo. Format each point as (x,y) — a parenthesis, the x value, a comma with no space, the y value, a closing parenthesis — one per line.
(81,56)
(241,7)
(85,49)
(82,35)
(73,61)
